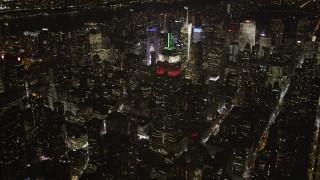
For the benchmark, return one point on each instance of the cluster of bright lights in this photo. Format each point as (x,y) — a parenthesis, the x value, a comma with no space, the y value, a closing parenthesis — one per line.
(4,7)
(214,78)
(44,158)
(143,137)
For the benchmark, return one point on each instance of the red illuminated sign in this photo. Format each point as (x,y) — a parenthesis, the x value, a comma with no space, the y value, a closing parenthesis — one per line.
(194,134)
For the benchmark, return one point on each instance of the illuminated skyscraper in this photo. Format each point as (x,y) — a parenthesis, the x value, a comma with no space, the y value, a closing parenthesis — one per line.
(196,61)
(39,111)
(11,72)
(196,37)
(52,95)
(152,46)
(265,45)
(95,41)
(244,78)
(275,70)
(186,31)
(166,139)
(95,139)
(247,34)
(276,32)
(213,54)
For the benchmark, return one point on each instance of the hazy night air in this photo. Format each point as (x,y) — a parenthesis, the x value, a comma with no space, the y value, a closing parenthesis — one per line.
(160,89)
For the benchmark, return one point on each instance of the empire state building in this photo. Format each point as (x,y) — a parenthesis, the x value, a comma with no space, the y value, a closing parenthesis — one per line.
(167,139)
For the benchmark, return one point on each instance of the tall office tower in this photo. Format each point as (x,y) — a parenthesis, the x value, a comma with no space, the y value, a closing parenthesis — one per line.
(163,39)
(44,42)
(39,112)
(12,73)
(132,64)
(164,23)
(196,35)
(113,55)
(80,45)
(231,78)
(291,54)
(95,141)
(213,55)
(290,29)
(52,94)
(186,35)
(57,137)
(214,97)
(231,36)
(195,64)
(152,46)
(11,139)
(132,127)
(233,52)
(167,139)
(265,45)
(247,34)
(118,85)
(186,31)
(177,24)
(95,40)
(276,32)
(245,58)
(146,91)
(245,78)
(303,26)
(231,31)
(275,71)
(197,19)
(195,101)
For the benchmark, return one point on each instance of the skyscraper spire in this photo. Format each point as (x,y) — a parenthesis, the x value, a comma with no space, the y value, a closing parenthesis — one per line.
(169,45)
(169,40)
(187,19)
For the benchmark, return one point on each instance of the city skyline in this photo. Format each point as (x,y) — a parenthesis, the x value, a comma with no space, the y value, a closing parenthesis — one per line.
(114,89)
